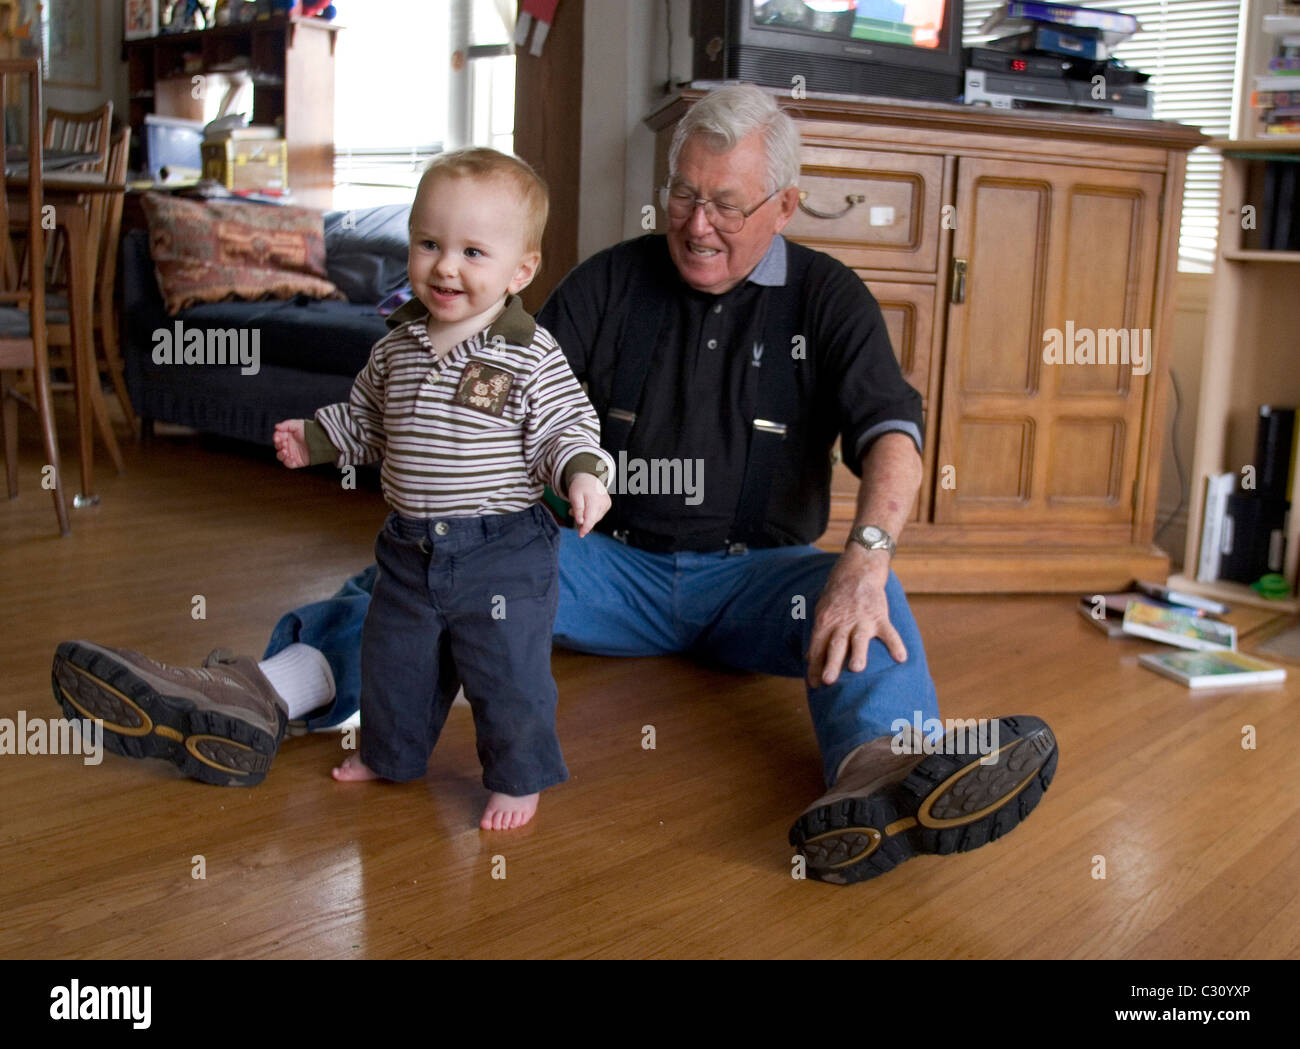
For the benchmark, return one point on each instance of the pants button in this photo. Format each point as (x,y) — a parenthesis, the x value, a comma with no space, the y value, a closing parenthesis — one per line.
(426,547)
(441,528)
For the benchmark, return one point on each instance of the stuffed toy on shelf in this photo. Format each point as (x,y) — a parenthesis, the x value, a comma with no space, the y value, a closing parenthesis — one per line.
(305,9)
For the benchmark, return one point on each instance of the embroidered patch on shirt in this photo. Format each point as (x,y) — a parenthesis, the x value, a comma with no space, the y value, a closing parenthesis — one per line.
(484,388)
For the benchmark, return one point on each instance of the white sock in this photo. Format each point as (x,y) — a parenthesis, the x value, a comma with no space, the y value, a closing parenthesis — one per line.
(302,676)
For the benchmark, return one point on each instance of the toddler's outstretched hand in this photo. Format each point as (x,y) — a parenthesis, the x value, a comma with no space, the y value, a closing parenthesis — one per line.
(291,444)
(588,501)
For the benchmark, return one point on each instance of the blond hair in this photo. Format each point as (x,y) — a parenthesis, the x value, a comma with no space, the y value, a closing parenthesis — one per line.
(480,162)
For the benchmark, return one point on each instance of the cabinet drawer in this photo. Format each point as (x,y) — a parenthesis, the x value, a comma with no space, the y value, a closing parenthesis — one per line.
(870,210)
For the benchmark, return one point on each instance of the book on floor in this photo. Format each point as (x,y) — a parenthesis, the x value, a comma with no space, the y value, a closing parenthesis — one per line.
(1178,628)
(1116,604)
(1192,604)
(1109,624)
(1212,669)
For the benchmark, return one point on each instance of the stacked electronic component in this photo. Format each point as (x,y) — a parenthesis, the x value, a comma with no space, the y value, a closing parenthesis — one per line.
(1057,57)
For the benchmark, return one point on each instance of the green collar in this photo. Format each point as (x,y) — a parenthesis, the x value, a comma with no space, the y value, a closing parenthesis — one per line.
(514,325)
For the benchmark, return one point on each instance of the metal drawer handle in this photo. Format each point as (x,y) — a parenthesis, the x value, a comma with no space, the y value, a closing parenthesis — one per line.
(850,200)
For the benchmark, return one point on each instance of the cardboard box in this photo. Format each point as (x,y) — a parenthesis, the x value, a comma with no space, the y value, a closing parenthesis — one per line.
(259,165)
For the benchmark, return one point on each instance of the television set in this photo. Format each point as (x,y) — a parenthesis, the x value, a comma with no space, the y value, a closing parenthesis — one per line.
(894,48)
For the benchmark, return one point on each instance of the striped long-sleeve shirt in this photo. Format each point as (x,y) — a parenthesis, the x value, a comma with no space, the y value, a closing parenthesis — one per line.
(480,431)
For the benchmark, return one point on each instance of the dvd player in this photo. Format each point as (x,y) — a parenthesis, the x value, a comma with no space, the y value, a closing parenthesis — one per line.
(1003,91)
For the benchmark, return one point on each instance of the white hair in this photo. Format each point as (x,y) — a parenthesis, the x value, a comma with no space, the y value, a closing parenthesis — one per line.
(728,115)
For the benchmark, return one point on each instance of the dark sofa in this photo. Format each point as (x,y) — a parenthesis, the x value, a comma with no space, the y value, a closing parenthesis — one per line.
(309,350)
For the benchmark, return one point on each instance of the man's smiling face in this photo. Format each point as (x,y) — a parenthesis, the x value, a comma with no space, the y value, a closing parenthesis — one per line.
(709,260)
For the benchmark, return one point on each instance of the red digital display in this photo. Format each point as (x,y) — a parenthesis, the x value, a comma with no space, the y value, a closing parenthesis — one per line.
(1019,65)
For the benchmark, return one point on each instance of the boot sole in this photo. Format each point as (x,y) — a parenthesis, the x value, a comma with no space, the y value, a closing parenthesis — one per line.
(948,803)
(141,722)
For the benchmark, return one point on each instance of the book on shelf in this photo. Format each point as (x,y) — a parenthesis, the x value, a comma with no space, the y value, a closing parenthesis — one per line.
(1275,99)
(1281,25)
(1217,489)
(1254,537)
(1113,25)
(1273,184)
(1056,40)
(1279,77)
(1212,669)
(1252,532)
(1178,628)
(1277,82)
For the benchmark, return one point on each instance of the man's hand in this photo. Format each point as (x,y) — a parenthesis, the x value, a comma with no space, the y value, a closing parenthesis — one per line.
(291,444)
(588,501)
(851,611)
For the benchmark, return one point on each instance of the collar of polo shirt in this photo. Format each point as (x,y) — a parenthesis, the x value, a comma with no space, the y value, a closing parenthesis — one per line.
(514,325)
(770,271)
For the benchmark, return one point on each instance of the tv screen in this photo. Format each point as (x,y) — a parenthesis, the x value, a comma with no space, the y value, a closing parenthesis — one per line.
(897,48)
(915,23)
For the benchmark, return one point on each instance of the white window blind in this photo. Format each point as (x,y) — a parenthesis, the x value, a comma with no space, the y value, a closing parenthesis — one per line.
(1190,49)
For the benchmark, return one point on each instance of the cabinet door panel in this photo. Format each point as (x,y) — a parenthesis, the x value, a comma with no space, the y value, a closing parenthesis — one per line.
(908,310)
(1047,357)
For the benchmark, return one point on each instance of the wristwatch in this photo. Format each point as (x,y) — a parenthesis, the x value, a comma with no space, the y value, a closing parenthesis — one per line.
(873,538)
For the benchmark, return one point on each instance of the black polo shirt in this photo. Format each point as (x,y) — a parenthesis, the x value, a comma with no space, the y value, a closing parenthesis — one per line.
(698,401)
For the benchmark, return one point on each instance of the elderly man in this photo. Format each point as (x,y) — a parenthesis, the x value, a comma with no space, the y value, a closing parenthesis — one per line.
(724,361)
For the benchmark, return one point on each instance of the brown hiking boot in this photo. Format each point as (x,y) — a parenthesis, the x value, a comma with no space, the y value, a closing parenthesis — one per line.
(953,795)
(220,723)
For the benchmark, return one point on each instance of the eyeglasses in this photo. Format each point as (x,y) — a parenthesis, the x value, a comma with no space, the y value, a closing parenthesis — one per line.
(680,202)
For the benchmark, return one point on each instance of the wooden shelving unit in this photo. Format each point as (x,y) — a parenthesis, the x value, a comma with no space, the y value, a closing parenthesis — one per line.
(1252,357)
(291,64)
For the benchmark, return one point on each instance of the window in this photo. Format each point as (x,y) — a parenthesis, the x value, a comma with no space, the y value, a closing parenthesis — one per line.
(1190,49)
(397,101)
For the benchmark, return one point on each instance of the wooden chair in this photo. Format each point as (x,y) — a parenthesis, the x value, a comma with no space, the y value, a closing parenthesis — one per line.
(22,301)
(81,132)
(105,215)
(87,131)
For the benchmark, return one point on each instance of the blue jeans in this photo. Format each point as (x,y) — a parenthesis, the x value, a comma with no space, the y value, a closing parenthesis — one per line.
(751,611)
(463,600)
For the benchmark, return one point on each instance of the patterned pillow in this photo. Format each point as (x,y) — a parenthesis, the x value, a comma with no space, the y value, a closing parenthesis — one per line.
(211,251)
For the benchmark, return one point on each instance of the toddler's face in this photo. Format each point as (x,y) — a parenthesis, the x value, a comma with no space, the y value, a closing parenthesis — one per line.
(467,247)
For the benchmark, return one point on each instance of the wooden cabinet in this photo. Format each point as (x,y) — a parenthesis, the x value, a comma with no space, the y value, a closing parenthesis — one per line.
(291,63)
(989,238)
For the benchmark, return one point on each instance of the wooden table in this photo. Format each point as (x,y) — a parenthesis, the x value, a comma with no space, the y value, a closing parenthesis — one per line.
(64,191)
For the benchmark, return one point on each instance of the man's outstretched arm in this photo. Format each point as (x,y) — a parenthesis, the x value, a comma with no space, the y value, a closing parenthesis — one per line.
(852,609)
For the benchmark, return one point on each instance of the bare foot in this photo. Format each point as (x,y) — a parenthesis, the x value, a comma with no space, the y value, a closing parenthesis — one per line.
(352,771)
(505,812)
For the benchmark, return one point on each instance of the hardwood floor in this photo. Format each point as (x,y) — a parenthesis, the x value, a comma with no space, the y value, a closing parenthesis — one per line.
(678,851)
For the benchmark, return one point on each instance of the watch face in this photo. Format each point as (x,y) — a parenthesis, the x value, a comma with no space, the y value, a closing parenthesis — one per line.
(871,534)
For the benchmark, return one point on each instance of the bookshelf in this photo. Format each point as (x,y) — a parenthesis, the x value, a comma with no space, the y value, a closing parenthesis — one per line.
(1251,356)
(291,63)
